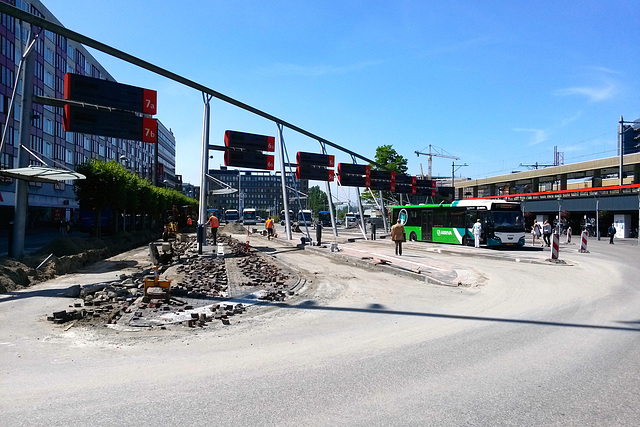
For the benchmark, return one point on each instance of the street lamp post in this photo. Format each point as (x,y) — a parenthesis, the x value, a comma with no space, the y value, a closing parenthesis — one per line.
(453,172)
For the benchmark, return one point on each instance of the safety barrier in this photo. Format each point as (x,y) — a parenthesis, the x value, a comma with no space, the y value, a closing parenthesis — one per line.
(583,241)
(555,246)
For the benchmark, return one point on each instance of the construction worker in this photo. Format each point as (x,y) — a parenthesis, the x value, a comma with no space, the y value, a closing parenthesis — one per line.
(213,221)
(269,226)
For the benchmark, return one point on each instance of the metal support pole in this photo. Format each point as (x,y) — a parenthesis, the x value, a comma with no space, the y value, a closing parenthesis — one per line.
(559,215)
(384,214)
(204,166)
(329,198)
(597,216)
(638,230)
(283,177)
(364,226)
(154,167)
(620,172)
(22,197)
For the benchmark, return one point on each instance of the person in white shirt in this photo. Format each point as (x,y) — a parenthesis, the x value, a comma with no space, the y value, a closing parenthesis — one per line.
(477,230)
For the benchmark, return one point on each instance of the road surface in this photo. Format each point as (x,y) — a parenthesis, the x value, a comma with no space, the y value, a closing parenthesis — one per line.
(520,343)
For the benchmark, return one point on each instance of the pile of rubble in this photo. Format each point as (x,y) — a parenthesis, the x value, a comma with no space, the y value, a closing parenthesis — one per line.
(199,279)
(203,278)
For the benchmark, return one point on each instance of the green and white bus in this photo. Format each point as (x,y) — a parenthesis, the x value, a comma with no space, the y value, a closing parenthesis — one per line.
(502,222)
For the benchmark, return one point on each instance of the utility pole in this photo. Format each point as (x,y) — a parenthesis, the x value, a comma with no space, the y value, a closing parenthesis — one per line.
(453,175)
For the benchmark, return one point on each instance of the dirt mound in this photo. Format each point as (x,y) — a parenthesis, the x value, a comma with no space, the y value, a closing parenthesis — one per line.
(234,228)
(68,255)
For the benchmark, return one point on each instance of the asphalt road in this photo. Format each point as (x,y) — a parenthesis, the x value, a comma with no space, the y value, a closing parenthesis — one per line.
(521,343)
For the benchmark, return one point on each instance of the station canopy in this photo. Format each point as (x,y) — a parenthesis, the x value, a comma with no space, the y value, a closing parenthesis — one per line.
(41,174)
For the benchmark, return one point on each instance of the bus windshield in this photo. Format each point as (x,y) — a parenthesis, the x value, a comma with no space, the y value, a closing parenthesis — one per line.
(249,214)
(507,220)
(304,216)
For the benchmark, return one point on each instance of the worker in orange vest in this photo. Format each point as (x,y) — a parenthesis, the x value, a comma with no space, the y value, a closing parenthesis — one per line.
(213,221)
(269,226)
(189,223)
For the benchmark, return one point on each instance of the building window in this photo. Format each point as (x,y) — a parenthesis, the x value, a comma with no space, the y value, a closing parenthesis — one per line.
(48,55)
(70,51)
(47,149)
(47,126)
(48,79)
(21,4)
(69,156)
(87,143)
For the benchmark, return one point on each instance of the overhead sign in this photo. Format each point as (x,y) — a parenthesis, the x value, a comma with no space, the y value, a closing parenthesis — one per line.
(353,175)
(248,159)
(249,141)
(116,124)
(315,166)
(246,150)
(107,93)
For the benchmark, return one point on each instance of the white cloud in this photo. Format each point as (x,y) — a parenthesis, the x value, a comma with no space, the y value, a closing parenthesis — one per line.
(539,135)
(593,93)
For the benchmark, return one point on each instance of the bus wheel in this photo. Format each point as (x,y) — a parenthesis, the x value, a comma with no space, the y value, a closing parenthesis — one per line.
(413,236)
(466,241)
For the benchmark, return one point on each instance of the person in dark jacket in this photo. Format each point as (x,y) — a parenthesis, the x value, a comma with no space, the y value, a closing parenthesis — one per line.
(612,233)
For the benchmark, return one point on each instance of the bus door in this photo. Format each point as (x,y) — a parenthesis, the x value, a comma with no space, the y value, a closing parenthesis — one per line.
(427,225)
(487,224)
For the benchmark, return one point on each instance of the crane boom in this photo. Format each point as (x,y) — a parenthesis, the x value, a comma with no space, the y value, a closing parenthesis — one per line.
(436,153)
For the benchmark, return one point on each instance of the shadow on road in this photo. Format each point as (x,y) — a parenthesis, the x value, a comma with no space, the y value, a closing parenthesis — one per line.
(378,309)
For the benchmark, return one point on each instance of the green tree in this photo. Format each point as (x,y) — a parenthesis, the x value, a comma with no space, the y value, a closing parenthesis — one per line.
(387,159)
(318,200)
(109,185)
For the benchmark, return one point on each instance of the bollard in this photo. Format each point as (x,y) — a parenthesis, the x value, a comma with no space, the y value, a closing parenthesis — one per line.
(583,241)
(318,234)
(555,246)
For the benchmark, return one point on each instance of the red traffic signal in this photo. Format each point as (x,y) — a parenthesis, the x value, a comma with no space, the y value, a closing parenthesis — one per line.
(106,93)
(249,141)
(116,124)
(248,159)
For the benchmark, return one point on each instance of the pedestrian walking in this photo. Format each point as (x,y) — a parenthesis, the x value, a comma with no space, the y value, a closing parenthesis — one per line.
(214,223)
(612,233)
(477,231)
(536,233)
(397,235)
(546,233)
(268,224)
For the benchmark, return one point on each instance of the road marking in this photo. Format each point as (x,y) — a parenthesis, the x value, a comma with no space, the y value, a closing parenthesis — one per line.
(395,258)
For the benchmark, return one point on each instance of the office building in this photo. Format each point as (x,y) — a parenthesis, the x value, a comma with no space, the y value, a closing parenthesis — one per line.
(259,190)
(54,56)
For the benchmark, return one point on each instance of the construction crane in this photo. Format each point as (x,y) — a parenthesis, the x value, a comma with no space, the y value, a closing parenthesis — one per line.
(436,152)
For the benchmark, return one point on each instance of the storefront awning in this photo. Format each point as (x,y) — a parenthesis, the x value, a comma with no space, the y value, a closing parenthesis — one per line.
(41,174)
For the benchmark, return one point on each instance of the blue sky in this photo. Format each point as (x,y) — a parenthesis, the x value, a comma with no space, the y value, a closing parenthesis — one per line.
(496,83)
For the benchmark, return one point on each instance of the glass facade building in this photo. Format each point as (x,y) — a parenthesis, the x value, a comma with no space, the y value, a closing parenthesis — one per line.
(54,56)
